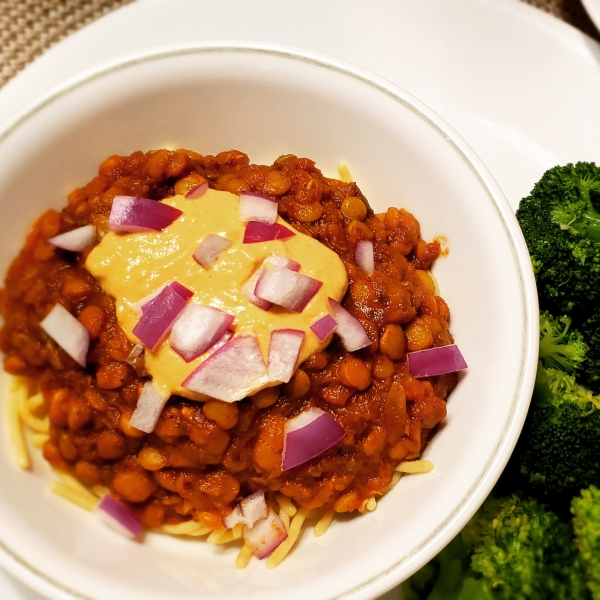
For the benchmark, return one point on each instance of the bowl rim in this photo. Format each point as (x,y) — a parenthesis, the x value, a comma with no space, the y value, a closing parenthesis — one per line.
(519,404)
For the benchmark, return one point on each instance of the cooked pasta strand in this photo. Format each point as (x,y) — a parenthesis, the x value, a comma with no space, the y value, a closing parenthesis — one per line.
(216,535)
(344,173)
(238,531)
(415,466)
(323,524)
(33,422)
(286,504)
(17,439)
(88,502)
(283,549)
(38,439)
(285,519)
(243,558)
(35,402)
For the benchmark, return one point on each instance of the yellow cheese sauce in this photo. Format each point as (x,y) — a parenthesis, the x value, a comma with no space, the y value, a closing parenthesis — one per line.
(131,266)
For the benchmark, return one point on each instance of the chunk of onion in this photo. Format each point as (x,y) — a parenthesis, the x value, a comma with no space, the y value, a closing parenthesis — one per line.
(435,361)
(254,207)
(323,327)
(286,288)
(273,260)
(254,508)
(197,329)
(132,214)
(149,406)
(365,256)
(67,332)
(307,435)
(210,250)
(266,535)
(231,372)
(197,191)
(118,516)
(349,328)
(284,349)
(75,240)
(265,232)
(159,314)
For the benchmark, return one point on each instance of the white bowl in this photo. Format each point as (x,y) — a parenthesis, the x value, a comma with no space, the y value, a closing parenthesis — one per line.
(268,101)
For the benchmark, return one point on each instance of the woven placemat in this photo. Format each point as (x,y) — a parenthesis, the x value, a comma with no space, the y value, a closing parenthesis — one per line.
(28,27)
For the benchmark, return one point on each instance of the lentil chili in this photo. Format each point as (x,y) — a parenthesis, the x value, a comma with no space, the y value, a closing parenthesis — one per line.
(203,457)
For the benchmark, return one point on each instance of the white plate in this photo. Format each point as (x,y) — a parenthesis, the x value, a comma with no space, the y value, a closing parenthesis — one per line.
(593,10)
(520,86)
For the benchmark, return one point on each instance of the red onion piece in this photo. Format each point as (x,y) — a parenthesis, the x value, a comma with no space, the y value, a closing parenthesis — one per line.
(254,207)
(349,328)
(75,240)
(132,214)
(234,517)
(67,332)
(284,349)
(266,535)
(307,435)
(254,508)
(197,329)
(197,191)
(365,256)
(264,232)
(435,361)
(119,517)
(159,314)
(210,250)
(136,352)
(231,372)
(149,406)
(323,327)
(273,260)
(286,288)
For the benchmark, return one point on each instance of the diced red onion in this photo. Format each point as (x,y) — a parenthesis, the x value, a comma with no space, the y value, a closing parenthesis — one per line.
(159,314)
(67,332)
(254,207)
(118,516)
(307,435)
(254,508)
(234,517)
(365,256)
(284,349)
(273,260)
(265,232)
(231,372)
(349,328)
(197,191)
(149,406)
(197,329)
(266,535)
(323,327)
(136,352)
(210,250)
(132,214)
(286,288)
(435,361)
(75,240)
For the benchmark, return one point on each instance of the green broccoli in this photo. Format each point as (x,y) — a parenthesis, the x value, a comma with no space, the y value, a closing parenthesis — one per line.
(586,525)
(590,370)
(556,454)
(513,548)
(562,229)
(559,348)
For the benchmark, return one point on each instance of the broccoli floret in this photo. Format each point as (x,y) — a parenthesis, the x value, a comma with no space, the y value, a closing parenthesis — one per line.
(513,548)
(560,348)
(586,525)
(590,370)
(562,229)
(556,454)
